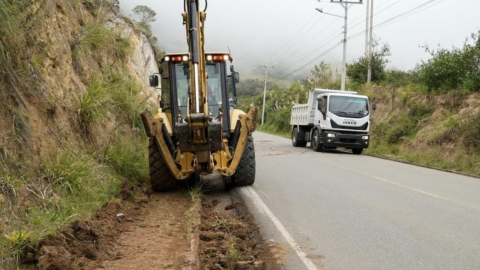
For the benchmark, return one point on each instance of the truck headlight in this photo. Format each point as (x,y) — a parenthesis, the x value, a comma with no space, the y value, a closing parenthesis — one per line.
(365,138)
(331,135)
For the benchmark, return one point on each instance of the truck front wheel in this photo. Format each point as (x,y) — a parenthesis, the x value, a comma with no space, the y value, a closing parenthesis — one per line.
(357,151)
(161,179)
(245,174)
(317,146)
(297,139)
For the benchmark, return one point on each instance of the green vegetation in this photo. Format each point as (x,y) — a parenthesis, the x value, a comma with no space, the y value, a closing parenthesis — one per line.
(127,156)
(94,37)
(93,103)
(449,70)
(357,71)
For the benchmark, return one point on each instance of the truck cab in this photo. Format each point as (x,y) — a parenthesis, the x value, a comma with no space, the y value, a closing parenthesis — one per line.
(332,119)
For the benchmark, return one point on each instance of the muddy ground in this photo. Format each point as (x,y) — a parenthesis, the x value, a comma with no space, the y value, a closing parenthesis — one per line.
(160,231)
(230,239)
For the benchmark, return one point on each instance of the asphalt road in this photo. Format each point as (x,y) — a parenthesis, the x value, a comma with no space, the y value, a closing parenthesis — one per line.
(344,211)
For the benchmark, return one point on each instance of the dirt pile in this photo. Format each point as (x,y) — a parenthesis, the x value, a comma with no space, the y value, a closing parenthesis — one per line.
(230,239)
(153,231)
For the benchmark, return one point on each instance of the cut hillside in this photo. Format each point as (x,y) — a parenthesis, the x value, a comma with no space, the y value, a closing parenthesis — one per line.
(440,130)
(73,79)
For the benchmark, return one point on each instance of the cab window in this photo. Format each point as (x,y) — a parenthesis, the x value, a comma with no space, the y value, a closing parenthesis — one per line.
(182,80)
(214,88)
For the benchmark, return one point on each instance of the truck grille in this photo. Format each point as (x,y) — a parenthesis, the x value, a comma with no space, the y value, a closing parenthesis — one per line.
(335,125)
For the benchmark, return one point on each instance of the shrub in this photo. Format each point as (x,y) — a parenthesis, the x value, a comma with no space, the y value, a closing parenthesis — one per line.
(93,102)
(452,69)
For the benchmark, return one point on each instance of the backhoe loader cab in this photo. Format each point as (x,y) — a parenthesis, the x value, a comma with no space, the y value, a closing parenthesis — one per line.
(175,87)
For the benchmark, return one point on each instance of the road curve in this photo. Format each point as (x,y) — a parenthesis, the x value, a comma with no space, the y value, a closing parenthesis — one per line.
(345,211)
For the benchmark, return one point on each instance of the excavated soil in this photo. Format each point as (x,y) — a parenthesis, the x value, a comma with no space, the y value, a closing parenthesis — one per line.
(230,239)
(150,233)
(159,231)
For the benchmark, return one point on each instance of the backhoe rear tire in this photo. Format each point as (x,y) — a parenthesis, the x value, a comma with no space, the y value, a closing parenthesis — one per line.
(161,179)
(245,174)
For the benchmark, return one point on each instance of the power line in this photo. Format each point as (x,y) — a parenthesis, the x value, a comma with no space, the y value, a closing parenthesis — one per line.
(298,32)
(376,13)
(401,16)
(315,59)
(287,57)
(308,54)
(299,39)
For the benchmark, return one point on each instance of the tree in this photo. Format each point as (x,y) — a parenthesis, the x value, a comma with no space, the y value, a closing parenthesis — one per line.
(146,14)
(321,75)
(357,72)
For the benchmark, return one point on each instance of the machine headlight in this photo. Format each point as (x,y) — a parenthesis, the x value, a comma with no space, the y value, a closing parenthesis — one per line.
(331,135)
(365,138)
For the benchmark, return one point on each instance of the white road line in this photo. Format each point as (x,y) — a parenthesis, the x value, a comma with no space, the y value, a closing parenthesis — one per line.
(413,189)
(250,192)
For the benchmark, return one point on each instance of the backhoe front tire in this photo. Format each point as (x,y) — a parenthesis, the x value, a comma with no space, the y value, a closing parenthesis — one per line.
(161,179)
(245,174)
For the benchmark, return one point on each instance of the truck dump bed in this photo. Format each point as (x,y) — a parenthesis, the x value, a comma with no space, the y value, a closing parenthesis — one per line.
(303,114)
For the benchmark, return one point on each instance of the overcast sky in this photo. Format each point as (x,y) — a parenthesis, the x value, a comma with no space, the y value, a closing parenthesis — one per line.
(282,32)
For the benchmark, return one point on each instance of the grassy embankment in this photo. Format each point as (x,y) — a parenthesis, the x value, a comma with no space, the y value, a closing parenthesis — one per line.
(83,162)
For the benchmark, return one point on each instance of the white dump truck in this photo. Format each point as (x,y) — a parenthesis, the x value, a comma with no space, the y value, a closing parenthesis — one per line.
(332,119)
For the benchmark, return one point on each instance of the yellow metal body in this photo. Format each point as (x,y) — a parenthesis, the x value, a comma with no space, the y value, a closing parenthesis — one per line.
(184,164)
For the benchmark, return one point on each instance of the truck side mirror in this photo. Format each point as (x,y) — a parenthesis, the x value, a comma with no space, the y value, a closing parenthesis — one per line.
(154,80)
(319,106)
(374,106)
(237,77)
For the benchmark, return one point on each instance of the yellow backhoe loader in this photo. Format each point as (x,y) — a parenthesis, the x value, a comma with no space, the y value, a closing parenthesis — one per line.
(197,130)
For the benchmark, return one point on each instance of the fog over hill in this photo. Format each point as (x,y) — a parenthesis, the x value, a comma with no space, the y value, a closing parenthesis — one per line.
(280,32)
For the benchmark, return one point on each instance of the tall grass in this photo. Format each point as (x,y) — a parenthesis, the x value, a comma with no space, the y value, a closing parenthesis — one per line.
(11,39)
(116,92)
(93,102)
(127,155)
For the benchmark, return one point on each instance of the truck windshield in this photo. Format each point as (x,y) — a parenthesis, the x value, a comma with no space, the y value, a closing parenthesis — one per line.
(353,107)
(214,87)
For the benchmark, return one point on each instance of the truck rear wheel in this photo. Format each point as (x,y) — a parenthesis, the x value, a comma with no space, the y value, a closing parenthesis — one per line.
(297,139)
(245,174)
(357,151)
(315,142)
(161,179)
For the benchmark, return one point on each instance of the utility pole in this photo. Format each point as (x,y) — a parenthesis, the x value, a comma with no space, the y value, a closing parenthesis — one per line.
(366,28)
(370,46)
(264,89)
(346,5)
